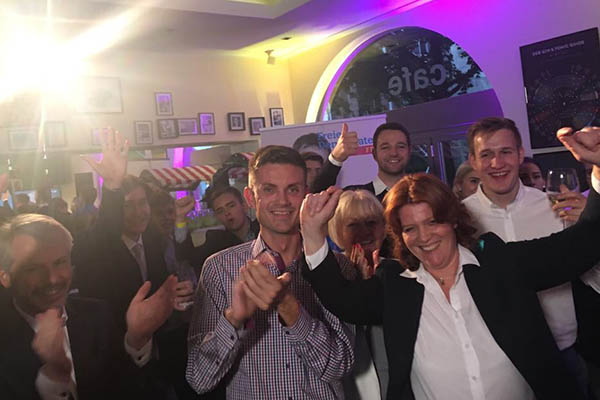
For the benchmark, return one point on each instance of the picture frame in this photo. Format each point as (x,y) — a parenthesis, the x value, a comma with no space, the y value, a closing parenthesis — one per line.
(143,132)
(187,126)
(98,94)
(164,103)
(96,136)
(236,121)
(255,124)
(167,128)
(55,134)
(23,137)
(207,123)
(276,115)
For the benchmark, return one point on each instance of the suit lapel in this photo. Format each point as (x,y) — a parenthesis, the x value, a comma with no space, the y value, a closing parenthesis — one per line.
(403,303)
(80,342)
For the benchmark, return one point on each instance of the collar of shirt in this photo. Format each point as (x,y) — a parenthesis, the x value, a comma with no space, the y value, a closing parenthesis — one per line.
(379,186)
(130,243)
(465,257)
(31,320)
(485,201)
(259,246)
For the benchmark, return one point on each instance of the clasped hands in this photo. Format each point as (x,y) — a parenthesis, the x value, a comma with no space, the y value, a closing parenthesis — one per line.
(257,288)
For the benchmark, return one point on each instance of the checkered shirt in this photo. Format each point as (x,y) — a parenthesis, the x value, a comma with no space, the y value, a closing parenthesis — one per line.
(265,360)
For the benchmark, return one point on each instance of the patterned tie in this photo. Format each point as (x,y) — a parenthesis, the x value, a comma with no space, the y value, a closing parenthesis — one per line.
(138,253)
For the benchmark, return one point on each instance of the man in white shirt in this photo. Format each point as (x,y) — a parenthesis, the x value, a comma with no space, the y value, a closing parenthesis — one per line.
(58,348)
(503,205)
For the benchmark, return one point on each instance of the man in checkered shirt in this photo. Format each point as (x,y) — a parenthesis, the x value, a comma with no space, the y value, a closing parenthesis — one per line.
(257,323)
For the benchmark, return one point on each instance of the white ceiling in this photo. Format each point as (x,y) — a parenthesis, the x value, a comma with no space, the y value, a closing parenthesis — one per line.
(247,27)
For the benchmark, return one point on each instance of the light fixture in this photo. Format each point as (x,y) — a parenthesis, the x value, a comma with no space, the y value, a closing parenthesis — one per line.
(270,58)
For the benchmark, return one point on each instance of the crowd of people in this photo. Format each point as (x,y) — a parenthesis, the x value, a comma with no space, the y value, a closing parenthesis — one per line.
(400,288)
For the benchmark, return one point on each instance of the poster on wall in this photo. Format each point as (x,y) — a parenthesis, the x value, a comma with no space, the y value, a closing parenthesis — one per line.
(321,137)
(562,85)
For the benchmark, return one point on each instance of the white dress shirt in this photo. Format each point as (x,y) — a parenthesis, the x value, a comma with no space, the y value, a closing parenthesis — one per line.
(378,184)
(530,216)
(455,356)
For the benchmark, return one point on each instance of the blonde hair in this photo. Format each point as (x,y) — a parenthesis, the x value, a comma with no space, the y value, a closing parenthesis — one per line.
(461,173)
(353,204)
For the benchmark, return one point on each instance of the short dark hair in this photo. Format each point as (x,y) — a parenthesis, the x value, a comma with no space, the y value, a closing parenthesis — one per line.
(530,160)
(159,198)
(489,125)
(131,183)
(312,157)
(214,192)
(426,188)
(274,154)
(390,126)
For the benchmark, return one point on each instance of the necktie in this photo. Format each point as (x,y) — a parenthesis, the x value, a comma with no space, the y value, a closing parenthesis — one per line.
(138,253)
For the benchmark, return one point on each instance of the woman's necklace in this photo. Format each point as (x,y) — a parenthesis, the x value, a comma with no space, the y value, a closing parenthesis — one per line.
(442,279)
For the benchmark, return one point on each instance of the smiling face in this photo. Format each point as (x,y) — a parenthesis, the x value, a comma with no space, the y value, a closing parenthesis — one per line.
(136,213)
(433,243)
(392,152)
(496,158)
(40,275)
(276,194)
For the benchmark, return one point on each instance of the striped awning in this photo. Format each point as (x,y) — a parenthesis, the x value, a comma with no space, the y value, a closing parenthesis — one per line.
(186,178)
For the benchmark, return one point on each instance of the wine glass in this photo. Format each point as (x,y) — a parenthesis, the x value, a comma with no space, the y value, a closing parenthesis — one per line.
(556,178)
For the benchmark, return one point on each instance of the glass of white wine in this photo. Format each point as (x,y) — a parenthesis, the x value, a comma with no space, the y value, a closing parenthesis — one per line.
(558,177)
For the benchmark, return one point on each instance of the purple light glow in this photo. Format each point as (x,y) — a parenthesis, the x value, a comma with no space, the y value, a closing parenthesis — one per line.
(178,163)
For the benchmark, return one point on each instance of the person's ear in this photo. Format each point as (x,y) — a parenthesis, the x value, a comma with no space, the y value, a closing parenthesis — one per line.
(4,278)
(521,155)
(249,196)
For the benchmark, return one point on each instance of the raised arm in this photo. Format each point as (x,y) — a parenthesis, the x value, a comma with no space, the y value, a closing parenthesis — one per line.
(346,146)
(357,301)
(564,256)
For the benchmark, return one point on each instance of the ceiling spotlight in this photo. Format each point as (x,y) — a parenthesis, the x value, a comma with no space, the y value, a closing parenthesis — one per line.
(270,58)
(286,38)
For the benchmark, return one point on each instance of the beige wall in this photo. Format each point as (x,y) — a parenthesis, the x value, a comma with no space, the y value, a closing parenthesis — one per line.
(490,31)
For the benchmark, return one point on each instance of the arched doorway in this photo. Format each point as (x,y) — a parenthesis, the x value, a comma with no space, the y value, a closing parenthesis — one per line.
(423,80)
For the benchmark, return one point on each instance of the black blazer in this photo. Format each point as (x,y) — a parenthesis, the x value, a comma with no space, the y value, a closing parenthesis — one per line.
(328,177)
(102,368)
(503,288)
(103,266)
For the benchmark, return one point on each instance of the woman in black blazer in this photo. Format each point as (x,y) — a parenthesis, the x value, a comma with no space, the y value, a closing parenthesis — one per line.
(460,316)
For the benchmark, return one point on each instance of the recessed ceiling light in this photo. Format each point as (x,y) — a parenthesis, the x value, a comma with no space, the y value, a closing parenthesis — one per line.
(286,38)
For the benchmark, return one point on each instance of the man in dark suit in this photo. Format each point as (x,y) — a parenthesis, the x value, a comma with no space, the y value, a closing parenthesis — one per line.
(391,152)
(122,251)
(232,212)
(58,347)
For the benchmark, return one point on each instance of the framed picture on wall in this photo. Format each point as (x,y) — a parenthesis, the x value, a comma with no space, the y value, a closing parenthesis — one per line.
(143,132)
(98,95)
(23,137)
(164,103)
(167,128)
(207,123)
(276,116)
(236,121)
(187,126)
(256,124)
(55,134)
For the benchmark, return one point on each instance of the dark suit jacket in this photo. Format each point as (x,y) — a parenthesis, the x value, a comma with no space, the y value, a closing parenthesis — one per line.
(503,288)
(328,177)
(216,240)
(102,368)
(105,268)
